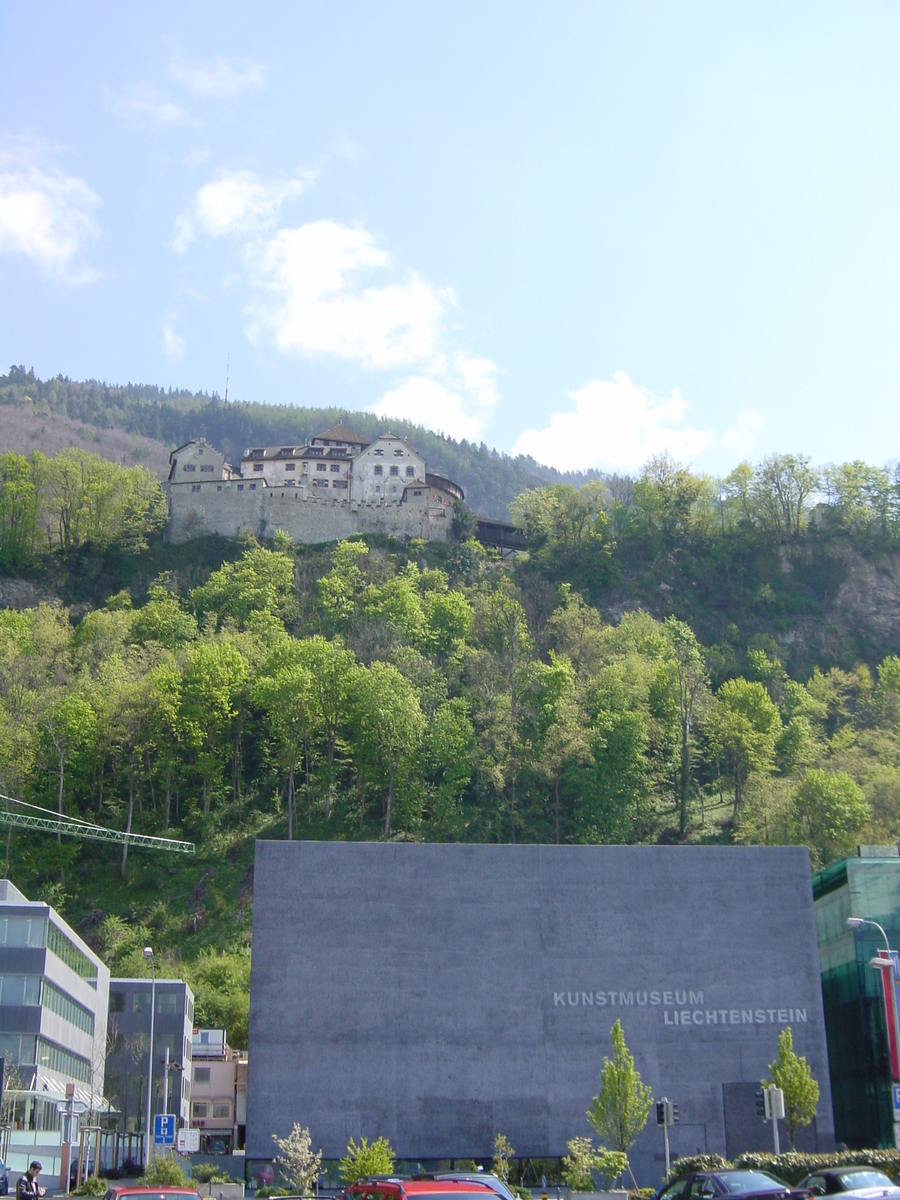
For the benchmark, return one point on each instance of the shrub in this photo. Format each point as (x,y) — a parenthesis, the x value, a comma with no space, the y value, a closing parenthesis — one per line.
(209,1173)
(362,1160)
(794,1165)
(164,1171)
(94,1185)
(264,1193)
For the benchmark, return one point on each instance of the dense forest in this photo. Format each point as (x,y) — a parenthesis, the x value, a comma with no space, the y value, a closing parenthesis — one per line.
(650,671)
(491,480)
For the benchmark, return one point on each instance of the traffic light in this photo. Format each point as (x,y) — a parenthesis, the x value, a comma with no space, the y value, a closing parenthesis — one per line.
(661,1112)
(673,1113)
(761,1106)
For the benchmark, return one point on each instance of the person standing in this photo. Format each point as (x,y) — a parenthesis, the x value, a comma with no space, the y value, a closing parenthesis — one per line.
(27,1188)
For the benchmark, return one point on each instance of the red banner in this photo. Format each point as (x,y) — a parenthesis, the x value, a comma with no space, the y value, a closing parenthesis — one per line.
(889,993)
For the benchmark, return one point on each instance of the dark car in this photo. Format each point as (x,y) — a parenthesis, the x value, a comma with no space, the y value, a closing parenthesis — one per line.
(709,1185)
(859,1181)
(492,1181)
(4,1180)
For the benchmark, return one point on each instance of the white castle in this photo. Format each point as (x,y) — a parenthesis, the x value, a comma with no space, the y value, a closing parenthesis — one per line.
(334,486)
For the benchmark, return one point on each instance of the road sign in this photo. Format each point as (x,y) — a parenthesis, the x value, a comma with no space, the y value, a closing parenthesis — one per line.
(896,1094)
(76,1107)
(188,1141)
(164,1129)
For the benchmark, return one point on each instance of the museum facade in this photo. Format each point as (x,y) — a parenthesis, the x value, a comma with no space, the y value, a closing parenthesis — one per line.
(441,994)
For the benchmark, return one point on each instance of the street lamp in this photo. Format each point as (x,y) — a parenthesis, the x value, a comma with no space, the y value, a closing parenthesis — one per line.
(884,963)
(148,954)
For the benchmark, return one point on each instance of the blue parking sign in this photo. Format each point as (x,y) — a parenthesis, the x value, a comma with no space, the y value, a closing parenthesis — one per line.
(164,1129)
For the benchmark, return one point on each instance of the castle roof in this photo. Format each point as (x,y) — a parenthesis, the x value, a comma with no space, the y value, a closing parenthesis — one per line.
(341,433)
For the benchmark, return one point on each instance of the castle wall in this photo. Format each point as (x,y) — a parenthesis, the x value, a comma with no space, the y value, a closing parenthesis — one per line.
(232,508)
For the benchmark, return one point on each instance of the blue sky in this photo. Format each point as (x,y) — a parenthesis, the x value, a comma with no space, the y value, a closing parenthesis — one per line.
(588,232)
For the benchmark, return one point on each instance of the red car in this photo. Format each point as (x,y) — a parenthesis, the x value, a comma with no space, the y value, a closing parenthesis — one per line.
(418,1189)
(135,1192)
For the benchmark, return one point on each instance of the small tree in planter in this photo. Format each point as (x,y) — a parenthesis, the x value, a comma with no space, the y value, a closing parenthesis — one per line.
(619,1111)
(299,1164)
(503,1152)
(791,1073)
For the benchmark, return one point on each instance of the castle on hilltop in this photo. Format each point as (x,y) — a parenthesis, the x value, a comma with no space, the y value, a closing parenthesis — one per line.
(334,486)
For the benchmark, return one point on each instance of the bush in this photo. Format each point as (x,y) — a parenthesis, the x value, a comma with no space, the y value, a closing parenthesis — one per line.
(363,1160)
(210,1173)
(699,1162)
(94,1185)
(164,1171)
(794,1165)
(263,1193)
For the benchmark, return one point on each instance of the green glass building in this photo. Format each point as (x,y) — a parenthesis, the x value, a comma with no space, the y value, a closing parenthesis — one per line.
(865,886)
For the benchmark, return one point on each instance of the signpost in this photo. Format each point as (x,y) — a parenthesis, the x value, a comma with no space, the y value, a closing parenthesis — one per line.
(188,1141)
(70,1110)
(164,1129)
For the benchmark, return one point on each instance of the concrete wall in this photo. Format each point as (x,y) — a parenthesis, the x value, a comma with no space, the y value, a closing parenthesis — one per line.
(441,994)
(230,508)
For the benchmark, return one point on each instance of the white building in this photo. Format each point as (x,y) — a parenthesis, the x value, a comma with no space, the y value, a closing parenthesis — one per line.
(54,994)
(218,1092)
(383,471)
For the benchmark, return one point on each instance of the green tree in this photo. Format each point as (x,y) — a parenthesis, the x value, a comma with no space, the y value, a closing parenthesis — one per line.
(300,1164)
(828,811)
(690,688)
(742,727)
(261,581)
(392,723)
(791,1073)
(221,987)
(214,673)
(619,1111)
(362,1160)
(503,1152)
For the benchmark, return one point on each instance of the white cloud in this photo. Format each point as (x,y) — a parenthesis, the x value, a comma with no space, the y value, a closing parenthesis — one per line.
(740,440)
(218,78)
(312,297)
(173,343)
(45,215)
(141,106)
(235,203)
(459,404)
(616,426)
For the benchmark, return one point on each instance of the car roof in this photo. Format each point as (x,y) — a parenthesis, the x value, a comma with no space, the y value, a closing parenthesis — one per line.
(135,1189)
(414,1187)
(854,1170)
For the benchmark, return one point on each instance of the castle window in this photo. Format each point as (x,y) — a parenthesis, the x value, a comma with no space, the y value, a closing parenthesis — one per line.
(200,451)
(189,467)
(195,487)
(379,470)
(240,487)
(417,493)
(398,454)
(207,468)
(395,470)
(258,466)
(379,453)
(252,487)
(335,468)
(377,487)
(340,483)
(410,471)
(219,488)
(394,489)
(290,466)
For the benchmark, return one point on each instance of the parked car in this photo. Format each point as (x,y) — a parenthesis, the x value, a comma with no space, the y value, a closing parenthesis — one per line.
(709,1185)
(135,1192)
(395,1188)
(493,1182)
(863,1182)
(4,1180)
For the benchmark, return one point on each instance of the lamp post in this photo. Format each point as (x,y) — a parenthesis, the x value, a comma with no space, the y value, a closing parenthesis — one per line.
(148,954)
(884,962)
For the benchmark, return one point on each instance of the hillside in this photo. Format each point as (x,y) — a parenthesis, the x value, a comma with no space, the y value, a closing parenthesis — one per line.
(490,480)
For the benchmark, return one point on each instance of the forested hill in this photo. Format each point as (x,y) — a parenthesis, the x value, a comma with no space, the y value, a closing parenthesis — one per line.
(490,480)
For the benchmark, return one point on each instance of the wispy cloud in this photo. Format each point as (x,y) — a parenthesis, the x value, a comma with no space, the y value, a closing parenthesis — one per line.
(458,402)
(236,203)
(142,106)
(45,215)
(616,426)
(218,78)
(173,342)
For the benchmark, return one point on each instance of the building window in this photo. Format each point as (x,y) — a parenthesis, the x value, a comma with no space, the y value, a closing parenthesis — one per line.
(68,952)
(140,1001)
(410,471)
(290,466)
(167,1002)
(199,1110)
(207,468)
(378,453)
(116,1001)
(379,470)
(219,488)
(221,1109)
(252,487)
(340,483)
(320,467)
(195,487)
(64,1006)
(189,467)
(20,989)
(394,489)
(201,1074)
(398,454)
(335,468)
(258,466)
(395,470)
(417,493)
(240,487)
(377,487)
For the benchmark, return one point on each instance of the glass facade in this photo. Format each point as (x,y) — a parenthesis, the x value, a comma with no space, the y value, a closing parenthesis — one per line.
(851,992)
(68,952)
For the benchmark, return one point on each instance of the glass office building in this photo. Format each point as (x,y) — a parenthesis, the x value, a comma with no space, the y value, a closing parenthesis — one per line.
(54,993)
(865,886)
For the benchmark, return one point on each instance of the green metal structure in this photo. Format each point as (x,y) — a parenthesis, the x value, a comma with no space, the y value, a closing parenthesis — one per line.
(29,816)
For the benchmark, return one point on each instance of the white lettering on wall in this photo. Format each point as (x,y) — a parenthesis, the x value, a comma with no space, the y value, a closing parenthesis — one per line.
(682,1007)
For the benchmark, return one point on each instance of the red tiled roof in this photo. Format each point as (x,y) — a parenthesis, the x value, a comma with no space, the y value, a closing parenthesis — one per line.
(341,433)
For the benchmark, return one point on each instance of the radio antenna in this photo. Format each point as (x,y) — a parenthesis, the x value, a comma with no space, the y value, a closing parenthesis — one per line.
(227,372)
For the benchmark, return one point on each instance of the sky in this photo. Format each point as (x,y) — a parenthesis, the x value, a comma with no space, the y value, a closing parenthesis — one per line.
(587,232)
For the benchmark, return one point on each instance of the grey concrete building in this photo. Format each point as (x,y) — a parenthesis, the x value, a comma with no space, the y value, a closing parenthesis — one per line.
(129,1029)
(439,995)
(53,1003)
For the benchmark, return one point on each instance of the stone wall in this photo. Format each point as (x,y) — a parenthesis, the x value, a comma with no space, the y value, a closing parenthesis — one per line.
(216,507)
(439,995)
